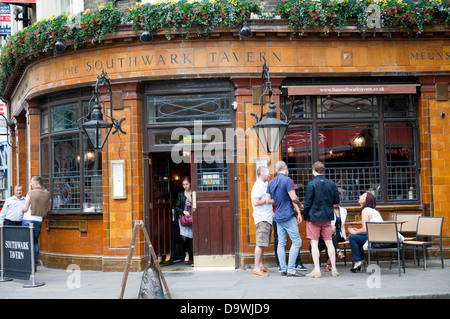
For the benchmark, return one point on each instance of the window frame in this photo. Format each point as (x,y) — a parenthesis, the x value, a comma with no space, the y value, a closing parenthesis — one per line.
(170,87)
(79,98)
(314,121)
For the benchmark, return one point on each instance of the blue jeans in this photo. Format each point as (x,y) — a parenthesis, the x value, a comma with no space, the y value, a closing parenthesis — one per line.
(357,242)
(275,246)
(290,227)
(36,233)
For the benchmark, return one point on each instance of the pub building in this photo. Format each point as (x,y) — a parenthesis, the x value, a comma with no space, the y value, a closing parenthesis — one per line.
(374,109)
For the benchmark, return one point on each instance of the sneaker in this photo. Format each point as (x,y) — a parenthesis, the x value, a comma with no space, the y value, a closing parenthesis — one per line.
(260,273)
(301,267)
(294,274)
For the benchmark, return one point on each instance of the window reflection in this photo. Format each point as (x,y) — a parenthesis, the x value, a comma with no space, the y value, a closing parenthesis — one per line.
(359,106)
(350,153)
(66,172)
(400,161)
(70,168)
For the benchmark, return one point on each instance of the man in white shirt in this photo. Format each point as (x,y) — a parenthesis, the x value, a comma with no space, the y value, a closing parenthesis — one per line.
(11,213)
(263,217)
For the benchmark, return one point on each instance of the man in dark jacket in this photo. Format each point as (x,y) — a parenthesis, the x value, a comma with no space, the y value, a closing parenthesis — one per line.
(321,195)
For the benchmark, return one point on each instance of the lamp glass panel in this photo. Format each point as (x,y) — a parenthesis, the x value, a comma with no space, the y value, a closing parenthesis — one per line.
(97,134)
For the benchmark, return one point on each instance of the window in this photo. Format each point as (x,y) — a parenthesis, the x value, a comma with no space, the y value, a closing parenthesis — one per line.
(212,173)
(188,107)
(71,169)
(400,161)
(184,112)
(367,143)
(297,153)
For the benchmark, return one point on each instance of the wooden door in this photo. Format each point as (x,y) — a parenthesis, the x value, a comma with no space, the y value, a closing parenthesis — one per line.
(213,222)
(160,213)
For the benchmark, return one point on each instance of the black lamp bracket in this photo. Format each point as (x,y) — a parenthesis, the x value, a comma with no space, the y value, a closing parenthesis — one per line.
(103,79)
(266,87)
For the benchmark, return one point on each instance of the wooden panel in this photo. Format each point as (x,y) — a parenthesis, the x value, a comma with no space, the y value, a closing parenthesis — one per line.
(213,224)
(213,227)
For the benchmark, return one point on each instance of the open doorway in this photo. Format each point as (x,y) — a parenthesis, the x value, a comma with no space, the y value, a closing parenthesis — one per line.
(182,235)
(165,185)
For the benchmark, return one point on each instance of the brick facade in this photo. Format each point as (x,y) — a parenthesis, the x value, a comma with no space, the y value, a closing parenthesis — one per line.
(101,241)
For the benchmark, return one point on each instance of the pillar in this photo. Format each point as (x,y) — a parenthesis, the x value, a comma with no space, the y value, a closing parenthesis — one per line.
(33,138)
(250,150)
(120,214)
(20,161)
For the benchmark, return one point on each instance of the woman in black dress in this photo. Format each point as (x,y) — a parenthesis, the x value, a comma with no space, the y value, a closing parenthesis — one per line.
(183,205)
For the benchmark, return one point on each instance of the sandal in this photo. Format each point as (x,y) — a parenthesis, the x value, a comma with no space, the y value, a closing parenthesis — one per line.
(340,254)
(327,268)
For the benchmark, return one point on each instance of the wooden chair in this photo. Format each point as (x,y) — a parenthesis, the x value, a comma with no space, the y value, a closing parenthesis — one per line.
(408,225)
(383,237)
(427,228)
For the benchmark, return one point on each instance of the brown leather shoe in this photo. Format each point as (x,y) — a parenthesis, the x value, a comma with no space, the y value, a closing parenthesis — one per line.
(260,273)
(266,270)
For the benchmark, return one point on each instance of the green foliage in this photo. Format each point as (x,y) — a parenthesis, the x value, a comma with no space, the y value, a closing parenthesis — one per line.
(337,14)
(202,15)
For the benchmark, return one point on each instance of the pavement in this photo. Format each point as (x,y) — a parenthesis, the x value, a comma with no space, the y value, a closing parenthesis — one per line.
(235,284)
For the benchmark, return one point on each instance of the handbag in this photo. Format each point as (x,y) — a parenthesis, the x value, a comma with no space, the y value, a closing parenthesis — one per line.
(186,220)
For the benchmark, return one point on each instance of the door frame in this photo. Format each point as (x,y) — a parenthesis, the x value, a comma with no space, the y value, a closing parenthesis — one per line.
(150,131)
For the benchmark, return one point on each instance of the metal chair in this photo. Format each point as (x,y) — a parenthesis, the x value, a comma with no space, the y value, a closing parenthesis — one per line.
(427,229)
(383,237)
(408,224)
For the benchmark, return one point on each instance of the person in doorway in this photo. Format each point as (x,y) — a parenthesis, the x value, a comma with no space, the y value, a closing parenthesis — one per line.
(37,205)
(263,217)
(287,215)
(358,237)
(321,195)
(11,213)
(183,206)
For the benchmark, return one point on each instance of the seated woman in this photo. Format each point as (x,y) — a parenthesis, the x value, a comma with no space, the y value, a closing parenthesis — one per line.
(358,237)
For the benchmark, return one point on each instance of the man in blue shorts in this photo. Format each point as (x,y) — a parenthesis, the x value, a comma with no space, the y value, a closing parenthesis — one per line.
(287,216)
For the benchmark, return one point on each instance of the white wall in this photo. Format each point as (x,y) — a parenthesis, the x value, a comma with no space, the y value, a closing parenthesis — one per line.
(48,8)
